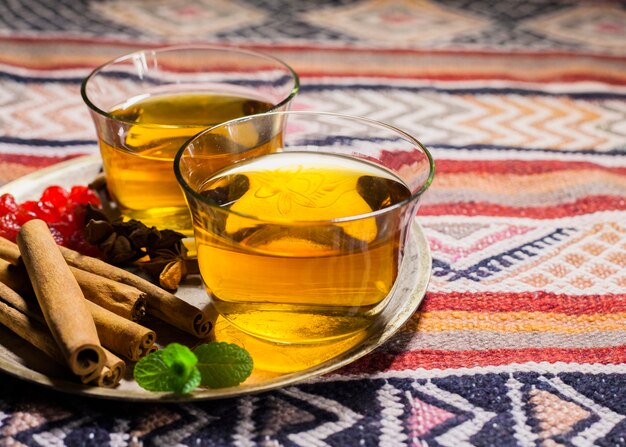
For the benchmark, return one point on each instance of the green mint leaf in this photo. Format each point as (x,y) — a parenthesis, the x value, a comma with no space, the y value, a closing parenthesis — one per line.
(222,364)
(181,362)
(152,374)
(170,369)
(192,382)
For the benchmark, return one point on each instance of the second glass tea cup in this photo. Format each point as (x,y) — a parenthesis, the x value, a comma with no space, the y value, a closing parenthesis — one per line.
(146,104)
(302,244)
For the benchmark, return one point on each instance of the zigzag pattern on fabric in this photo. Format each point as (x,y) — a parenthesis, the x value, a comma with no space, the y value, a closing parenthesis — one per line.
(516,407)
(497,263)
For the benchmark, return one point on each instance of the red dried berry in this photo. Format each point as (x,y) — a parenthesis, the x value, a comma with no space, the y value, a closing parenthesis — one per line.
(67,216)
(9,227)
(77,191)
(77,216)
(55,195)
(26,211)
(58,237)
(77,242)
(88,249)
(29,205)
(67,230)
(47,212)
(83,195)
(7,204)
(92,198)
(63,211)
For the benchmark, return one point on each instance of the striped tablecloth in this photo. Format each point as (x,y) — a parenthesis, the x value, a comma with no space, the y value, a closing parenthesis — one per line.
(521,339)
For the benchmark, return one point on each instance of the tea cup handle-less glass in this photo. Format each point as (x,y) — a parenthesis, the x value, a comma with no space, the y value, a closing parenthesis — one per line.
(302,241)
(146,104)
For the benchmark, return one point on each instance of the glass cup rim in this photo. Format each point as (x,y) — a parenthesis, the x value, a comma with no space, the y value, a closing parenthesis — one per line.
(414,196)
(173,48)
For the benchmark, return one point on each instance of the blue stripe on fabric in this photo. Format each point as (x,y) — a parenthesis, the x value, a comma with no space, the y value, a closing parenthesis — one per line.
(49,143)
(39,79)
(483,147)
(341,140)
(495,264)
(349,140)
(463,91)
(373,87)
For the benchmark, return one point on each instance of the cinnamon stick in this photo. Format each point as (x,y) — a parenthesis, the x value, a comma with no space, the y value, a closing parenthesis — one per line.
(9,251)
(16,300)
(29,329)
(110,374)
(60,298)
(37,334)
(122,299)
(122,336)
(162,304)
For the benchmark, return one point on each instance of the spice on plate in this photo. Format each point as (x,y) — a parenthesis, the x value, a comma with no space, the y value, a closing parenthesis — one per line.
(159,253)
(160,303)
(122,336)
(60,298)
(122,299)
(110,375)
(25,320)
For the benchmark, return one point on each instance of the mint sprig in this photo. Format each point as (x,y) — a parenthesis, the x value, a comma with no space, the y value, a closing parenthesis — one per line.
(178,369)
(170,369)
(223,364)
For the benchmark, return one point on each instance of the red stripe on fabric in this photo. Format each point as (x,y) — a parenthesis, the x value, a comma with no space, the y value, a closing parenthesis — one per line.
(585,205)
(35,161)
(525,302)
(519,167)
(437,359)
(465,52)
(376,73)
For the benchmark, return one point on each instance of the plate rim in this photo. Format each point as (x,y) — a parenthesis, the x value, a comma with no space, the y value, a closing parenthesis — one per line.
(74,162)
(424,268)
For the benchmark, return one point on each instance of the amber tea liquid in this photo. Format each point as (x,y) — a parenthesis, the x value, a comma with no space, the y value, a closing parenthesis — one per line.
(291,280)
(138,163)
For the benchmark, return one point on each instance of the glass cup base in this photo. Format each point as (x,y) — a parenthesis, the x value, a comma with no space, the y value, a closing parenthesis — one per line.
(293,324)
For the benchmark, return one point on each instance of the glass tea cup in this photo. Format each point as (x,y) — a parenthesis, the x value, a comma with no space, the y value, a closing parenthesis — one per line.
(302,244)
(146,104)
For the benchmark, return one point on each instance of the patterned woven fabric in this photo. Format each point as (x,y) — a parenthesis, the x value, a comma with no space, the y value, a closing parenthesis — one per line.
(521,338)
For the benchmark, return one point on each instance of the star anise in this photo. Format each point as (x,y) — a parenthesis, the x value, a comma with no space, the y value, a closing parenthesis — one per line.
(159,253)
(121,243)
(168,266)
(168,258)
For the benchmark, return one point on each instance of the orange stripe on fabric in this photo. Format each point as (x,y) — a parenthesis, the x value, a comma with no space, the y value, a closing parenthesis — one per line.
(521,184)
(516,322)
(342,61)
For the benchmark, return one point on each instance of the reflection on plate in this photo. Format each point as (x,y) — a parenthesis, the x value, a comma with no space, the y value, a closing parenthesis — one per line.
(286,365)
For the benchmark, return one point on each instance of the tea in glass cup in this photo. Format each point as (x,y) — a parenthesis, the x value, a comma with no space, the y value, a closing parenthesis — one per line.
(303,243)
(145,105)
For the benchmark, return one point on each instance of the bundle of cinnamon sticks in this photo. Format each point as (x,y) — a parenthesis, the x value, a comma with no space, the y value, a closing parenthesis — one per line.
(81,309)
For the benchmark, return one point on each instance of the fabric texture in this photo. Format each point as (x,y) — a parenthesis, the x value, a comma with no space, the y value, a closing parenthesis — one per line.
(521,338)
